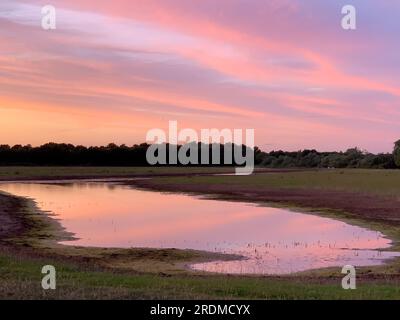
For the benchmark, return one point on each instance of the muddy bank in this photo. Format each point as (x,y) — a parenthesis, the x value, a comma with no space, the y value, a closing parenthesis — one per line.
(12,221)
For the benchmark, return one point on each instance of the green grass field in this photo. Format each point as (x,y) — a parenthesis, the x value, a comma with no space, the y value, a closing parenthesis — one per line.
(386,182)
(49,172)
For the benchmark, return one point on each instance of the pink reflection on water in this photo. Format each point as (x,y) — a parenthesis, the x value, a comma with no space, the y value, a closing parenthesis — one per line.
(273,241)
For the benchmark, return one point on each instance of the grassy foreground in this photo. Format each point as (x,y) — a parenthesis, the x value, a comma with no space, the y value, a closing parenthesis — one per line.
(86,278)
(20,279)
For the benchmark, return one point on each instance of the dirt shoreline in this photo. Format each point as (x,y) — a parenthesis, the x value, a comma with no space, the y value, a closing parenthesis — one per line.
(11,217)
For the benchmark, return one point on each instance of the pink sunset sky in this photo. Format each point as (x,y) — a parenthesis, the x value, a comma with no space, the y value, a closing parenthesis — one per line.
(112,70)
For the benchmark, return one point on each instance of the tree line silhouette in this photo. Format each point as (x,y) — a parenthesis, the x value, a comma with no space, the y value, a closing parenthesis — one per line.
(62,154)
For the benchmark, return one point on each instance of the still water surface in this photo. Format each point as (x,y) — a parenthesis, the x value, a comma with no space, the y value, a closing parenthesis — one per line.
(272,240)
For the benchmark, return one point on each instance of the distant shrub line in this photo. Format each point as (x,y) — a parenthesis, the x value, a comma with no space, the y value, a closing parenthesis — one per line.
(352,158)
(61,154)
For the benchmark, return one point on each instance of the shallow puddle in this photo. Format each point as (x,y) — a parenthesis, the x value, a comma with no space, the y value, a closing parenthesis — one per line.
(272,240)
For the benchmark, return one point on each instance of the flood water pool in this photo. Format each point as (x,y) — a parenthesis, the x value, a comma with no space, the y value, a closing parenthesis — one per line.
(271,240)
